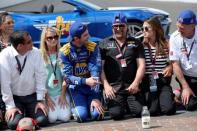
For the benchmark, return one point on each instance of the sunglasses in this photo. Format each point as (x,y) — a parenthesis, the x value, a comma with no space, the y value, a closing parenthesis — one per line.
(146,28)
(52,38)
(118,26)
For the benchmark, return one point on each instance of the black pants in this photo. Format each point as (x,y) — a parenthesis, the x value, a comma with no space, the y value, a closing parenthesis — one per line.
(123,101)
(192,82)
(27,106)
(161,101)
(2,110)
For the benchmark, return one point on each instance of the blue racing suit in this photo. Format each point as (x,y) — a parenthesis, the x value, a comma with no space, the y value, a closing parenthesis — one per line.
(78,64)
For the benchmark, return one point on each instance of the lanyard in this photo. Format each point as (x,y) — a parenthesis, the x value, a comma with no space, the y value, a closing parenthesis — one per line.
(121,49)
(188,54)
(53,67)
(153,60)
(20,69)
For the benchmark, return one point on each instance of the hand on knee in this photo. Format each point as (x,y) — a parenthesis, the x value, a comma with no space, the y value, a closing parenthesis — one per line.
(12,124)
(192,104)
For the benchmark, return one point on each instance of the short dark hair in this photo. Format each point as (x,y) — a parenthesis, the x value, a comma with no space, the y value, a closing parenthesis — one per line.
(17,37)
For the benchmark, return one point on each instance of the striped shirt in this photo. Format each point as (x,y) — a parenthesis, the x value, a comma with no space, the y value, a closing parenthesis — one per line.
(160,62)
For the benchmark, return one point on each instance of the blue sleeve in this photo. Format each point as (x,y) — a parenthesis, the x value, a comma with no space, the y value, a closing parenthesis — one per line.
(67,71)
(94,64)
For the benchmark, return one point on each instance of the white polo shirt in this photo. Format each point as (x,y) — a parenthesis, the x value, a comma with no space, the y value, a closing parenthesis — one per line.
(31,80)
(177,52)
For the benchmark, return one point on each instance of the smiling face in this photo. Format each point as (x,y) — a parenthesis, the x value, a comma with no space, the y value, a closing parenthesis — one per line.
(7,25)
(186,30)
(51,38)
(119,30)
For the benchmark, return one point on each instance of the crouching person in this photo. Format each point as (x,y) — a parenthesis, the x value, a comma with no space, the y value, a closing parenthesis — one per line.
(156,83)
(56,98)
(23,81)
(81,64)
(123,68)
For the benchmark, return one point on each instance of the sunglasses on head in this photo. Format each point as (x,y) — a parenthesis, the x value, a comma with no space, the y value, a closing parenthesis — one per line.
(118,26)
(146,28)
(52,38)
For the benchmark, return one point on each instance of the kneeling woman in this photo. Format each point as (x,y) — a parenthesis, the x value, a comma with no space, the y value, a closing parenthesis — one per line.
(56,97)
(156,83)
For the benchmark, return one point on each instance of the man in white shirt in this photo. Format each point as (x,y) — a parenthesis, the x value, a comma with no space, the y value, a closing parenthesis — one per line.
(23,80)
(183,52)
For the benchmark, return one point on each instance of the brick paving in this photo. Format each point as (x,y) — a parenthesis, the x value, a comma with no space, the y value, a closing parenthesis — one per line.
(180,122)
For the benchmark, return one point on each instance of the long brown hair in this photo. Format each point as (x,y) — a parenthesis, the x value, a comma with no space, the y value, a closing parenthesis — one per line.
(160,40)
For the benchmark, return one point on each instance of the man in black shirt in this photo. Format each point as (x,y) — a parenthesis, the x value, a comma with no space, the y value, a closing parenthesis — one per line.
(123,69)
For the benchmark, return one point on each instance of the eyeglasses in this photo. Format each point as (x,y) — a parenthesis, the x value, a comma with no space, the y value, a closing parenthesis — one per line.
(52,38)
(118,26)
(146,28)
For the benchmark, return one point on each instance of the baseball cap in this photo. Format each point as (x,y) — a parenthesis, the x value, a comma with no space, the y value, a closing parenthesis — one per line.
(26,123)
(76,30)
(120,18)
(187,17)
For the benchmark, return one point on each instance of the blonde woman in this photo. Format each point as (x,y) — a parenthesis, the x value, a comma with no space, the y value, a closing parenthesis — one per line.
(56,97)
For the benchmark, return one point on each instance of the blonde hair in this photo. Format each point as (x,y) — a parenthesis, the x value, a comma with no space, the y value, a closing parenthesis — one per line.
(43,44)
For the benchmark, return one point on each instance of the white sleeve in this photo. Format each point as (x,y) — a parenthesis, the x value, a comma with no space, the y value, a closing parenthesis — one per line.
(174,50)
(5,71)
(40,76)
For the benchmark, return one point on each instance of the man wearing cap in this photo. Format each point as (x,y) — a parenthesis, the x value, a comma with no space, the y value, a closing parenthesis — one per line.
(123,69)
(183,46)
(81,67)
